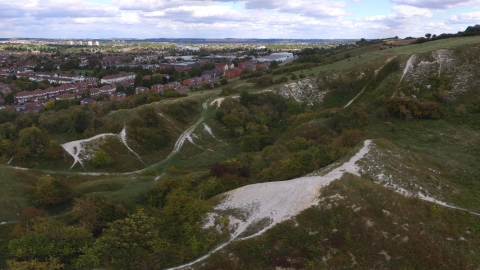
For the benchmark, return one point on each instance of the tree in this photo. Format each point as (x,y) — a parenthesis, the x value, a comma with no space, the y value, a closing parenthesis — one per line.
(130,243)
(94,212)
(194,72)
(428,35)
(101,158)
(50,191)
(81,122)
(47,244)
(120,88)
(273,64)
(32,142)
(9,99)
(49,67)
(49,104)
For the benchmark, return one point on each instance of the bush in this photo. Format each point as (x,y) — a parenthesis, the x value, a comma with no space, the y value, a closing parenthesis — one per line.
(224,81)
(101,158)
(50,191)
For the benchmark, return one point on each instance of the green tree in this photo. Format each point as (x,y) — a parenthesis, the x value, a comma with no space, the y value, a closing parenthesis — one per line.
(81,122)
(50,104)
(32,143)
(101,158)
(9,99)
(120,88)
(194,72)
(48,242)
(274,64)
(130,243)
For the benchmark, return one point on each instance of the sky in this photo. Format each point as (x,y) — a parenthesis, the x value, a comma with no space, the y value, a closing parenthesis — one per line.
(289,19)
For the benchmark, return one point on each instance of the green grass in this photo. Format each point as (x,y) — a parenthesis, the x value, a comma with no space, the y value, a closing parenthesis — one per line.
(5,235)
(13,194)
(448,146)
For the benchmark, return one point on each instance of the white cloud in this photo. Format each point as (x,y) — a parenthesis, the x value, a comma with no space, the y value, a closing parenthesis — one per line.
(465,18)
(436,4)
(409,11)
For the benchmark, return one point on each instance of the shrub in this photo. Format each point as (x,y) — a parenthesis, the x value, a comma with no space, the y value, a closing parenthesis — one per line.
(101,158)
(50,191)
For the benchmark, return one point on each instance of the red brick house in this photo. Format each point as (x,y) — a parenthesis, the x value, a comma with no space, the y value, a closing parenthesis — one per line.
(172,85)
(141,89)
(206,77)
(225,66)
(157,88)
(118,96)
(189,82)
(233,73)
(262,65)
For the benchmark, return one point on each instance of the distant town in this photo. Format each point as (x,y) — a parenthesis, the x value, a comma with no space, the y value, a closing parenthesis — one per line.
(36,74)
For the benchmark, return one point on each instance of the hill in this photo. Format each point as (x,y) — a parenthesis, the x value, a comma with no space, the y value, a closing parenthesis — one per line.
(366,162)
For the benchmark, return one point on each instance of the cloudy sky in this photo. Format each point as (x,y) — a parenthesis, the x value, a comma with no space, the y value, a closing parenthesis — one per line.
(234,19)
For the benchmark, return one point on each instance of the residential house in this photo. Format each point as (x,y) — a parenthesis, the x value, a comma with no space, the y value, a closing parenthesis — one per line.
(5,89)
(107,89)
(118,96)
(158,88)
(33,107)
(94,92)
(172,85)
(67,96)
(225,66)
(189,82)
(119,77)
(141,89)
(87,101)
(233,73)
(24,96)
(82,86)
(206,78)
(262,65)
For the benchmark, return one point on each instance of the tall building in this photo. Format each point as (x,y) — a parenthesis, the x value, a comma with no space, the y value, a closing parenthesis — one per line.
(90,43)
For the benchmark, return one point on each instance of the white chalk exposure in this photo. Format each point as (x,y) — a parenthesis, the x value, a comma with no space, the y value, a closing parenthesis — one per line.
(275,201)
(209,131)
(123,136)
(186,135)
(79,150)
(407,68)
(351,101)
(279,201)
(217,101)
(83,150)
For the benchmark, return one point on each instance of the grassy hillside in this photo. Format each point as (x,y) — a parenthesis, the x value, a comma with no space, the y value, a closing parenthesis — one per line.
(409,202)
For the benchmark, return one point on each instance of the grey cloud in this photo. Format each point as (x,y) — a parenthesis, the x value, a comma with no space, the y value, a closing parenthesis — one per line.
(312,8)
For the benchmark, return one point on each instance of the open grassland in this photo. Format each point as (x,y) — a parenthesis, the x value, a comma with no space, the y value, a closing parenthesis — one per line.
(13,196)
(449,146)
(360,58)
